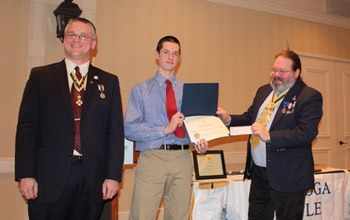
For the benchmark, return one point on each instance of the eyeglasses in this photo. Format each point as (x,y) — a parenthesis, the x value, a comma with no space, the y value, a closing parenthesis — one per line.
(282,72)
(82,37)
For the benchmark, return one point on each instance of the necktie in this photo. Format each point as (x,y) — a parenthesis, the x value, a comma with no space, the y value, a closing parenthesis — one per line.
(77,96)
(265,116)
(172,109)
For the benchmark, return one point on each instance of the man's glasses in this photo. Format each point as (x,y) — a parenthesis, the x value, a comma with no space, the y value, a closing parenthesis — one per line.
(82,37)
(282,72)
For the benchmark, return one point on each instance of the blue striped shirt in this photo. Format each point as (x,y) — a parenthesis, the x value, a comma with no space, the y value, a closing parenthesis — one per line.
(146,116)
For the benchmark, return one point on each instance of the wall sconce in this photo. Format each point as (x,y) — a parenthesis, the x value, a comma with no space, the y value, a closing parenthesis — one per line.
(64,12)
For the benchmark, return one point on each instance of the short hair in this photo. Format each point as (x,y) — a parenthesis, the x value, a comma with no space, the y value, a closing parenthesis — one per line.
(168,39)
(85,21)
(292,56)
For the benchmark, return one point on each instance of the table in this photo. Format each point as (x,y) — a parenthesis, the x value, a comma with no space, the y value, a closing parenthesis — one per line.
(329,200)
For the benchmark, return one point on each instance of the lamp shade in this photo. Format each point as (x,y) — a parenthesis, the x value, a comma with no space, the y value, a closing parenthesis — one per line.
(64,12)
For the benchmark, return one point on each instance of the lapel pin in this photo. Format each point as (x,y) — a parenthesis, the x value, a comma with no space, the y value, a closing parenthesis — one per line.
(101,88)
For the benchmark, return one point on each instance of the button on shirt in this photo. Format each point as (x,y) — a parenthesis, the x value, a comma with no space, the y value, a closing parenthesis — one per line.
(146,115)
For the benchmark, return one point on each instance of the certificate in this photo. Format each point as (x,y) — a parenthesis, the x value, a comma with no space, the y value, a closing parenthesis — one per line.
(207,127)
(210,165)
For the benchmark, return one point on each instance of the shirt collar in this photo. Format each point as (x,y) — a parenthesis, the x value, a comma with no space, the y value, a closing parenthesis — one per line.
(161,79)
(83,67)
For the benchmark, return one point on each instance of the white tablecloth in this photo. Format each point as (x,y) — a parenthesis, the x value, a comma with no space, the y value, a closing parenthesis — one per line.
(330,199)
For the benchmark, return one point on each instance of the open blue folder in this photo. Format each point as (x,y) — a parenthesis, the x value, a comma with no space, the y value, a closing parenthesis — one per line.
(199,105)
(200,99)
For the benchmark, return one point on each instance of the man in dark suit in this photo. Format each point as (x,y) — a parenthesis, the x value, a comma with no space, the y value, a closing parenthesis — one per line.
(284,115)
(70,134)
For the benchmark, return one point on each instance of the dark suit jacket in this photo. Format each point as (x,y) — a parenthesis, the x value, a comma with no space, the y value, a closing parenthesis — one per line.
(45,131)
(289,161)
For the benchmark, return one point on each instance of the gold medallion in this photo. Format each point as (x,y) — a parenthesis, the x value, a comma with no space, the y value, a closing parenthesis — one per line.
(102,95)
(290,111)
(196,135)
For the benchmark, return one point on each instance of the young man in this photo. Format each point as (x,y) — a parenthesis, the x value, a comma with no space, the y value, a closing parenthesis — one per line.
(70,134)
(153,120)
(284,115)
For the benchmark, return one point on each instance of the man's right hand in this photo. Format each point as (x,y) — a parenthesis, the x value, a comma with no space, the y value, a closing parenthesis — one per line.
(176,121)
(223,115)
(28,188)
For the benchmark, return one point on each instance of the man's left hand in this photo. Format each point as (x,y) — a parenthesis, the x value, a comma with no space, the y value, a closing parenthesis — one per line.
(201,146)
(110,188)
(260,131)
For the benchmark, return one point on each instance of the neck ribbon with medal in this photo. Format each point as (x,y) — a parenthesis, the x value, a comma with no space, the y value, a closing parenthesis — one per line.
(279,97)
(79,86)
(276,99)
(101,88)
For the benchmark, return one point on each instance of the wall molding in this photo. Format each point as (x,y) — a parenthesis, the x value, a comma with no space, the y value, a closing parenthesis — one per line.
(7,165)
(337,59)
(309,10)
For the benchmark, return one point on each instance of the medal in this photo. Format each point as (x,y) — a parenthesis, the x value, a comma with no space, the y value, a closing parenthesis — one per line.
(290,111)
(101,88)
(79,102)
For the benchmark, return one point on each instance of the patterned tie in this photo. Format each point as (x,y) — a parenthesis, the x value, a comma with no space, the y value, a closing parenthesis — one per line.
(77,96)
(172,109)
(265,116)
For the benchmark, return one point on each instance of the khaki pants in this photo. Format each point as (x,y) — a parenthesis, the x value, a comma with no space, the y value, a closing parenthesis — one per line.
(158,172)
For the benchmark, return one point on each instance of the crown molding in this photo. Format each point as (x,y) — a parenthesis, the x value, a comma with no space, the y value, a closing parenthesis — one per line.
(309,10)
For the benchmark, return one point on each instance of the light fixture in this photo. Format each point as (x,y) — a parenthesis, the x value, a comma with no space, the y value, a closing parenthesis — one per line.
(64,12)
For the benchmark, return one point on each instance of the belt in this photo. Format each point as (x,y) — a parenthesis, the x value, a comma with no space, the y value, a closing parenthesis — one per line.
(77,158)
(173,147)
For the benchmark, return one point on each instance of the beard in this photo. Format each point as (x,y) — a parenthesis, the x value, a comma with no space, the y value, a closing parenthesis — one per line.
(279,88)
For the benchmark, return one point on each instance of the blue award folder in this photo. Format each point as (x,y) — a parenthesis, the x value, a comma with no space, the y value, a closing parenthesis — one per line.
(200,99)
(199,105)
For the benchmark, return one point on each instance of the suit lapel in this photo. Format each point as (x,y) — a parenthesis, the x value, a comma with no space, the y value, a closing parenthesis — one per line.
(291,96)
(60,76)
(91,88)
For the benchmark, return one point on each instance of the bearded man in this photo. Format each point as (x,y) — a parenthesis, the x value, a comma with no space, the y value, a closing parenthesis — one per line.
(284,116)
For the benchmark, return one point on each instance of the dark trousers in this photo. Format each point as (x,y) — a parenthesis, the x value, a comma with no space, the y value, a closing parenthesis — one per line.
(73,204)
(264,201)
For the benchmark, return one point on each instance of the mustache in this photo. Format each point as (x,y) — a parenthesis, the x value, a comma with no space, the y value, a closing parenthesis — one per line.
(279,78)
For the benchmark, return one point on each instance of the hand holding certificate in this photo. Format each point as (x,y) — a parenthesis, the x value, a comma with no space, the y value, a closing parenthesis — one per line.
(199,105)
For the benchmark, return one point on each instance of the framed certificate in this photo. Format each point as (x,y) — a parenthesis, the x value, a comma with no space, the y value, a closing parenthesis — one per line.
(210,165)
